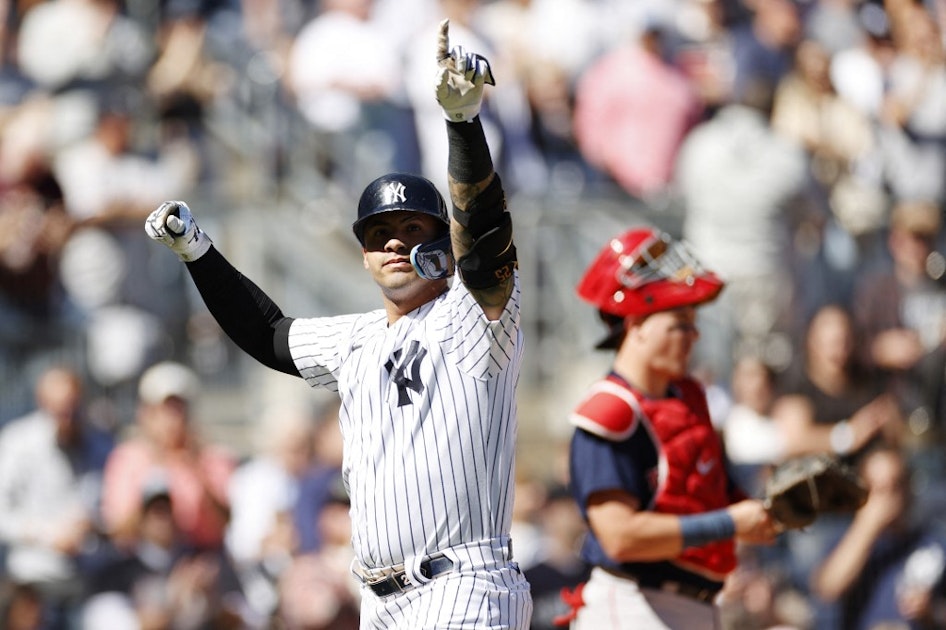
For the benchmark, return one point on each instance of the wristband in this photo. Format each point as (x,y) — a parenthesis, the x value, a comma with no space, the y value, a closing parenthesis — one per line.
(699,529)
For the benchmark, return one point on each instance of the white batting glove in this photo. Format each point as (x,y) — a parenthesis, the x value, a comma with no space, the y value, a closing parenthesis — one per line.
(173,224)
(460,79)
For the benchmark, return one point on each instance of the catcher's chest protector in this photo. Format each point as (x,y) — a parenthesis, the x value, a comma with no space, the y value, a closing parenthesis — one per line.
(691,475)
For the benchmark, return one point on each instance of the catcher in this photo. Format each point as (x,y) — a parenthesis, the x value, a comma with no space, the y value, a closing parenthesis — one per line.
(646,464)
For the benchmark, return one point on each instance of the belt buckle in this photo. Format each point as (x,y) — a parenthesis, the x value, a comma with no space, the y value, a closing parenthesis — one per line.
(397,582)
(400,579)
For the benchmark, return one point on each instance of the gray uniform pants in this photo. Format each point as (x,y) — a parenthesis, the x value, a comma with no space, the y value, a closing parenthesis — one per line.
(618,603)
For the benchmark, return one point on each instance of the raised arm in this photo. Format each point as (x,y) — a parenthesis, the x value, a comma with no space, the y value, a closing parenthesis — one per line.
(481,228)
(248,316)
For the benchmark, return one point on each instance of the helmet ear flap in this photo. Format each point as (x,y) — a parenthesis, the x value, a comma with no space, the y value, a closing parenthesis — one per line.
(433,260)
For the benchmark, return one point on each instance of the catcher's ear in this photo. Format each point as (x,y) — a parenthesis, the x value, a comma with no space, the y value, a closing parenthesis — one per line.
(633,323)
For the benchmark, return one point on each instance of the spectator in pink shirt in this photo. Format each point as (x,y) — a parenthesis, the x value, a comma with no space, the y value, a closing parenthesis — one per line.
(166,444)
(632,111)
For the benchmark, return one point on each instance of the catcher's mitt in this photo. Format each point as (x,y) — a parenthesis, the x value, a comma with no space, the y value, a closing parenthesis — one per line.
(802,488)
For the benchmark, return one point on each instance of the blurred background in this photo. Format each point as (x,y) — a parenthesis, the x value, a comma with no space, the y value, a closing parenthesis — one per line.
(799,146)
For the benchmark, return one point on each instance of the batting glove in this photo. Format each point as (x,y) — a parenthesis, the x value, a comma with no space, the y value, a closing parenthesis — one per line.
(460,79)
(173,224)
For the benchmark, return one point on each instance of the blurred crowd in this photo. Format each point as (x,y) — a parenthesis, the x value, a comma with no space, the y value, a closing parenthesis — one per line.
(801,142)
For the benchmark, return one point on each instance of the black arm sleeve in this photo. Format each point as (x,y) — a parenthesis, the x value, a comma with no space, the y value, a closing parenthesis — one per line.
(243,311)
(469,160)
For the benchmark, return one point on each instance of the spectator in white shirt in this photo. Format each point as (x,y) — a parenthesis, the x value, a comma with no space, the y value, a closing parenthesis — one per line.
(51,462)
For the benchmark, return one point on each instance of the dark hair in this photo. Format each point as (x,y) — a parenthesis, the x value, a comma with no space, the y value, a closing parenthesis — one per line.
(615,335)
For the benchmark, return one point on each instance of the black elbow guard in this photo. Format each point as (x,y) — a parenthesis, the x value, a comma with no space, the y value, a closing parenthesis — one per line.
(492,259)
(485,212)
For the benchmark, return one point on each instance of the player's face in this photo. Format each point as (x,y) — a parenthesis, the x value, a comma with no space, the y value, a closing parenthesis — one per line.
(389,238)
(668,339)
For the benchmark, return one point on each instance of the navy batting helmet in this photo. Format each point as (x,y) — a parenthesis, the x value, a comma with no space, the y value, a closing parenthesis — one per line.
(399,191)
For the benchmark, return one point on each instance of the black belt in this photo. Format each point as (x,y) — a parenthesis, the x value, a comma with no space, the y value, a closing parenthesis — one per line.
(693,591)
(397,582)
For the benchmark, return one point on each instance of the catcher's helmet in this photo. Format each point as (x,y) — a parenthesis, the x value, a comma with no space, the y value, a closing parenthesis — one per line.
(643,271)
(399,191)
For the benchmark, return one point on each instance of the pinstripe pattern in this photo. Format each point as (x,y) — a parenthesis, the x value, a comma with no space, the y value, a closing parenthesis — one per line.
(429,423)
(497,600)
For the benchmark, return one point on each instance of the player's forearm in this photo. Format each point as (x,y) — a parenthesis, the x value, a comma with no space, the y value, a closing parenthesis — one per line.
(645,537)
(627,534)
(481,229)
(245,313)
(470,165)
(470,171)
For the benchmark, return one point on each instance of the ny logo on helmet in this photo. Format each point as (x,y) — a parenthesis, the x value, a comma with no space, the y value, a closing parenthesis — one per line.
(394,193)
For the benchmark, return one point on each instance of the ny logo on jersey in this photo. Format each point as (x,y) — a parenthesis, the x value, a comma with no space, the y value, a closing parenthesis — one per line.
(394,193)
(404,369)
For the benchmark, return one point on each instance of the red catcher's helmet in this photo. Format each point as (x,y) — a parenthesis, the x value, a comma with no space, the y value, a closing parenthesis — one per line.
(644,271)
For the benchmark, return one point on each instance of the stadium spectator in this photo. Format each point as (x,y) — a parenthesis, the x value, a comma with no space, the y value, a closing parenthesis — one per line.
(839,140)
(633,110)
(51,464)
(153,579)
(109,180)
(263,492)
(318,482)
(742,188)
(913,117)
(900,304)
(764,44)
(350,100)
(34,227)
(167,442)
(829,403)
(753,441)
(317,589)
(888,567)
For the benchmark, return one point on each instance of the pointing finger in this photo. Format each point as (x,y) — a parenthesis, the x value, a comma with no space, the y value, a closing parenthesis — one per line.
(443,46)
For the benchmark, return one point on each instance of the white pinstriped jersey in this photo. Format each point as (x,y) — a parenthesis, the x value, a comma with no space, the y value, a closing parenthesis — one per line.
(428,417)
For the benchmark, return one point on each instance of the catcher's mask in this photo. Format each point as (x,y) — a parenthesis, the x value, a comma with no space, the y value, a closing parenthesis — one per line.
(401,191)
(640,272)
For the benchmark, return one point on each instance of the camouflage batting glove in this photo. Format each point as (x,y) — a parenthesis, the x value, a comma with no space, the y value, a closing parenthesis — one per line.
(173,224)
(460,79)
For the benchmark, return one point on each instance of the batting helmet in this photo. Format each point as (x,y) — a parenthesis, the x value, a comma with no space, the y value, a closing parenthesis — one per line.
(399,191)
(643,271)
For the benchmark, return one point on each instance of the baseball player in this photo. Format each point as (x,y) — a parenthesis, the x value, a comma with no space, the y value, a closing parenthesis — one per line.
(427,383)
(646,465)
